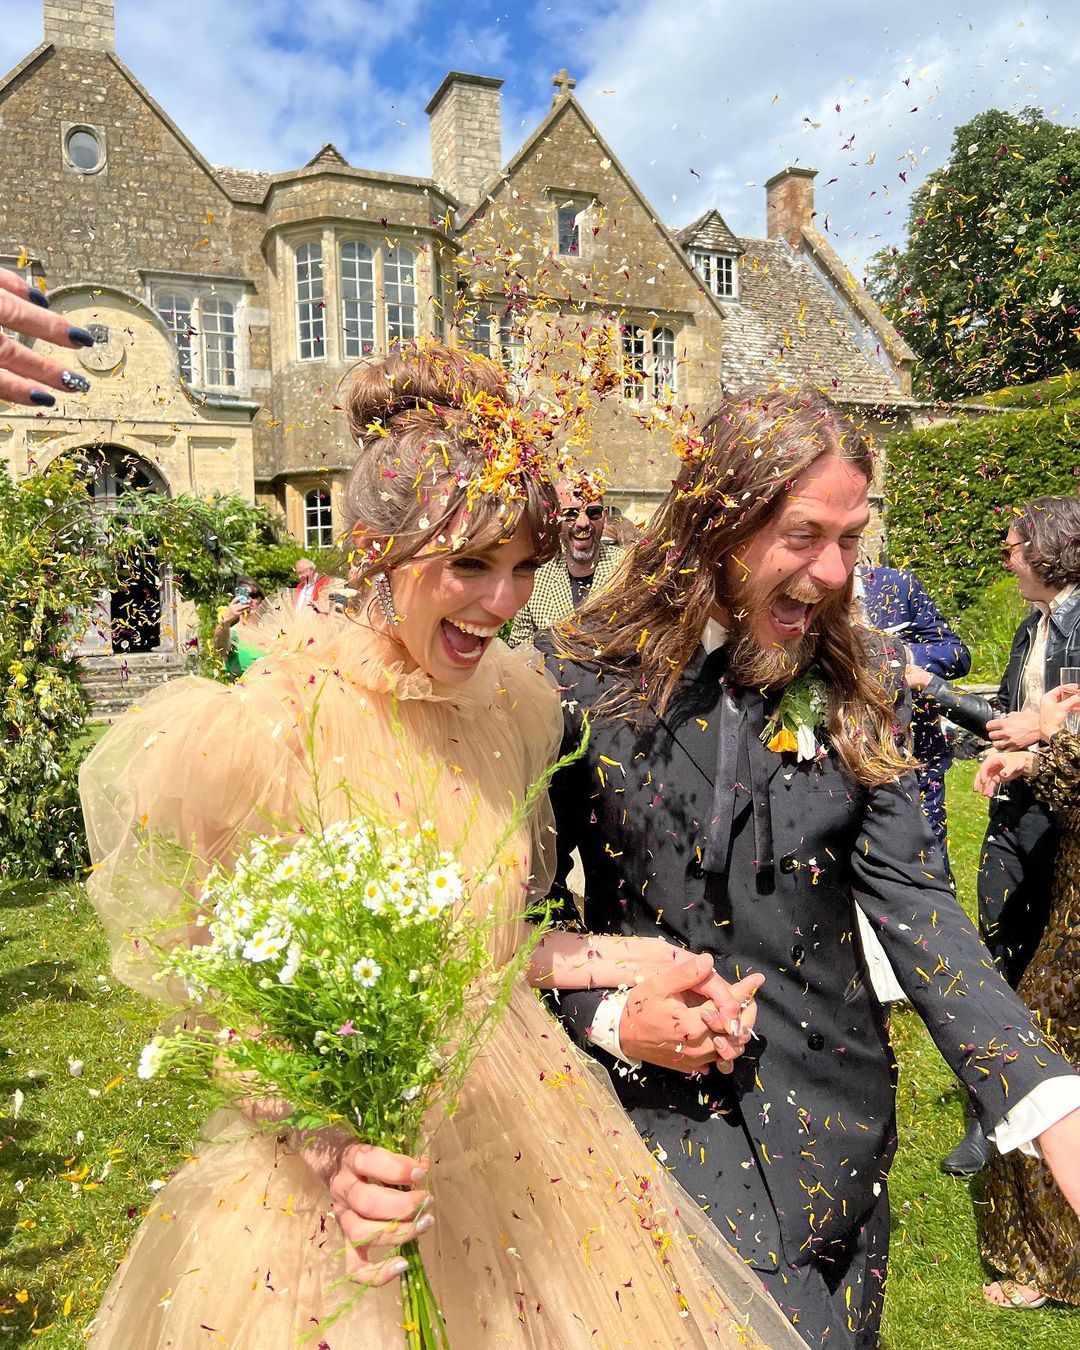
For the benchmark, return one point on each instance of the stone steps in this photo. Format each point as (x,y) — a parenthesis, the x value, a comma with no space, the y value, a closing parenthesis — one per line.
(114,683)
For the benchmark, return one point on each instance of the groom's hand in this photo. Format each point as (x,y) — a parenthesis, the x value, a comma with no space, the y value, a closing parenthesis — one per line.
(682,1017)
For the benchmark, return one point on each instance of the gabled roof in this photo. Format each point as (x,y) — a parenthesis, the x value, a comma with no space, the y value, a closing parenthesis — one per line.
(243,185)
(710,230)
(561,104)
(856,295)
(328,155)
(789,326)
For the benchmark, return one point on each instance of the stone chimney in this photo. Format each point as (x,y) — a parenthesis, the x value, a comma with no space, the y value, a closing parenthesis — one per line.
(789,204)
(466,135)
(81,23)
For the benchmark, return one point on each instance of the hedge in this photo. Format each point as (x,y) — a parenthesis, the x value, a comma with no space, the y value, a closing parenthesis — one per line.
(949,491)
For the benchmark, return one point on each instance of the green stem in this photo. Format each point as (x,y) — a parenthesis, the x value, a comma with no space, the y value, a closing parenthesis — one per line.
(427,1328)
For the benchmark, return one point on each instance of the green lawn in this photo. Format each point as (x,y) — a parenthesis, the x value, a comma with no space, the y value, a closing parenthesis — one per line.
(78,1164)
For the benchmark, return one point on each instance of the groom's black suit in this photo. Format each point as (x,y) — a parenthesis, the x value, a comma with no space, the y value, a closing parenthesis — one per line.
(789,1154)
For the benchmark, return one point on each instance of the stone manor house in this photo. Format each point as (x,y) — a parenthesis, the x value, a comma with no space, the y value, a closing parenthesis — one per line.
(229,304)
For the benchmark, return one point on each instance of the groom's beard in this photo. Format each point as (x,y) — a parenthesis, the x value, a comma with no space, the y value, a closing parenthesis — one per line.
(756,667)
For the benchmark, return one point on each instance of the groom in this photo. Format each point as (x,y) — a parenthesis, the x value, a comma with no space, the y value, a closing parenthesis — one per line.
(690,828)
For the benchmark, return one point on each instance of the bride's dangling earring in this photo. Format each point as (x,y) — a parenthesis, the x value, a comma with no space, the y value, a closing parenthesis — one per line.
(385,597)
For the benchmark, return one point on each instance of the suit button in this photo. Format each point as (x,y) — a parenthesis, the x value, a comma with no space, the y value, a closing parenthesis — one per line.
(696,870)
(798,953)
(789,862)
(816,1041)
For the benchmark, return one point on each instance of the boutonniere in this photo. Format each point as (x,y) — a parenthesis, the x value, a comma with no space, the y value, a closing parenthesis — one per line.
(798,715)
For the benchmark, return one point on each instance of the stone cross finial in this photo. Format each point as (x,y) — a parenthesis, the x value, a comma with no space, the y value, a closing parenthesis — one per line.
(563,83)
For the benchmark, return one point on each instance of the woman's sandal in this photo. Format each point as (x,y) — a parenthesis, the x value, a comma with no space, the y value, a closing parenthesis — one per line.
(1014,1296)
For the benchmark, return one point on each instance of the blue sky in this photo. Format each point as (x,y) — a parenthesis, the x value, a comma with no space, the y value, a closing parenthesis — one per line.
(701,100)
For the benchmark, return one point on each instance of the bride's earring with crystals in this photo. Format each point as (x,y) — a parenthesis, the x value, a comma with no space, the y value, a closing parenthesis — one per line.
(385,596)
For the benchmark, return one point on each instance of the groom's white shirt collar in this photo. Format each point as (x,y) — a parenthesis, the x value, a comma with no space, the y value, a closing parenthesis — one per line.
(714,636)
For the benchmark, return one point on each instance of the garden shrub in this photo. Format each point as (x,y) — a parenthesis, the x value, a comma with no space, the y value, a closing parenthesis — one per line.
(950,489)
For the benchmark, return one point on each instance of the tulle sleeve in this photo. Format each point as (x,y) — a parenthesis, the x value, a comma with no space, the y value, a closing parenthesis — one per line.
(174,786)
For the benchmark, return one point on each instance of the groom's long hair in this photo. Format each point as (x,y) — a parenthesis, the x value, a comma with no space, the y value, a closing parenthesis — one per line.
(646,625)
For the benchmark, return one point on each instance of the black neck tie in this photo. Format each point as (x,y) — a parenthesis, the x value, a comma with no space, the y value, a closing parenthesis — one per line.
(742,720)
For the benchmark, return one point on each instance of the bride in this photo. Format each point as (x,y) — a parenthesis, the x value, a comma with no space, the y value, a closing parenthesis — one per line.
(543,1218)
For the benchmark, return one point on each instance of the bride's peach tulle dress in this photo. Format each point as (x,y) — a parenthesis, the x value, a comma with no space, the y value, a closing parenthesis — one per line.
(555,1227)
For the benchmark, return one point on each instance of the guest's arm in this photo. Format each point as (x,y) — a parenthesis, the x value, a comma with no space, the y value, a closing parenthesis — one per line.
(931,642)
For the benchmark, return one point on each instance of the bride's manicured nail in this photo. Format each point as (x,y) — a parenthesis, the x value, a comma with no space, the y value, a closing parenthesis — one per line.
(398,1267)
(733,1027)
(425,1223)
(36,298)
(417,1175)
(78,384)
(40,399)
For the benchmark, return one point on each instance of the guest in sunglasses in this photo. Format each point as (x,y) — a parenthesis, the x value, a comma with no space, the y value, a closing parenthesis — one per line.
(586,560)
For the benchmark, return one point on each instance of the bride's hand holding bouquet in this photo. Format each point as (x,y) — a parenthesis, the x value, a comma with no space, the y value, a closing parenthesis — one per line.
(349,978)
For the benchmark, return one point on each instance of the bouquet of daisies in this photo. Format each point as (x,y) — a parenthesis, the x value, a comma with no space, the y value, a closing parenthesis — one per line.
(349,971)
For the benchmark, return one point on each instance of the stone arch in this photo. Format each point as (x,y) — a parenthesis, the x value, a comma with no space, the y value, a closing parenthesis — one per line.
(138,616)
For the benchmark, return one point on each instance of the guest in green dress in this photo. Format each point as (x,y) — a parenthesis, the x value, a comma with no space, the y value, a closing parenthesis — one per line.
(246,606)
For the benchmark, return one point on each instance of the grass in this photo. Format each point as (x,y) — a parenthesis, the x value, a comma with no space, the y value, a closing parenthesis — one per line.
(78,1164)
(934,1299)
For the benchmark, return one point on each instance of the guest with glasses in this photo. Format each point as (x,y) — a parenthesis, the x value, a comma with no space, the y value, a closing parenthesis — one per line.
(586,560)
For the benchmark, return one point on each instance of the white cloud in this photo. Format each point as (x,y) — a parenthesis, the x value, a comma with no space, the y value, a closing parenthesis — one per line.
(697,100)
(704,102)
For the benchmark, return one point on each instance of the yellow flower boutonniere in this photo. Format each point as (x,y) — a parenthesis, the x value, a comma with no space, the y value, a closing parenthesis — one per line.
(792,727)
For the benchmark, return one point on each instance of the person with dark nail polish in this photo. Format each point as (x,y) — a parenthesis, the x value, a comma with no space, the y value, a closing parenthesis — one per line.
(26,375)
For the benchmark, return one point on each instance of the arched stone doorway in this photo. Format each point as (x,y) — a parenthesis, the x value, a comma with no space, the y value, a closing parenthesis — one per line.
(137,616)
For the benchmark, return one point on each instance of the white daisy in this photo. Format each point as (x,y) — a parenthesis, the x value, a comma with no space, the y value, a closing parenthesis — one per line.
(366,971)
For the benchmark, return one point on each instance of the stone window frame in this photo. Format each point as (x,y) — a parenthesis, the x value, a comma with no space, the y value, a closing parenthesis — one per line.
(318,530)
(707,264)
(309,300)
(563,201)
(67,129)
(387,327)
(504,338)
(650,360)
(195,290)
(359,312)
(396,329)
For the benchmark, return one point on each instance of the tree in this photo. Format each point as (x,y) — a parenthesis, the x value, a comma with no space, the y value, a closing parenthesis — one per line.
(987,290)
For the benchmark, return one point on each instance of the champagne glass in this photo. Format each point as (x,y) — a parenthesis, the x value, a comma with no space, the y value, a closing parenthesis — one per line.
(1071,675)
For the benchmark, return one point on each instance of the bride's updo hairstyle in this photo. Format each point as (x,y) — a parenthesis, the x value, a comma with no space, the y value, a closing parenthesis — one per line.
(438,432)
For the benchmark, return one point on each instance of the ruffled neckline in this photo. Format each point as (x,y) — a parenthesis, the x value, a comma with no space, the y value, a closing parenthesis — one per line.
(360,653)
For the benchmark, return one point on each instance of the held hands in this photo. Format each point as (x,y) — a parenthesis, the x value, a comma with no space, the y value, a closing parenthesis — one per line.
(1015,731)
(1055,706)
(997,769)
(687,1018)
(25,375)
(378,1202)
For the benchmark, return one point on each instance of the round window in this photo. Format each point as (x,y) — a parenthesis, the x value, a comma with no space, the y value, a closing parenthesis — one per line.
(84,150)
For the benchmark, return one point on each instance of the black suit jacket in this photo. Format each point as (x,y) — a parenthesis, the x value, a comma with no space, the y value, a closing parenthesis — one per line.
(790,1153)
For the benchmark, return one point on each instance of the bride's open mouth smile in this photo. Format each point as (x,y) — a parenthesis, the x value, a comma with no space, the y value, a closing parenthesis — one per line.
(465,643)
